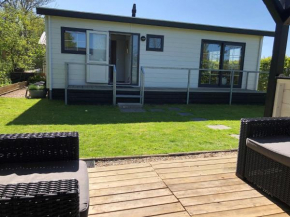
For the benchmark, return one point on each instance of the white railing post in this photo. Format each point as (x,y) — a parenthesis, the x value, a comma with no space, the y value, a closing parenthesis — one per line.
(66,82)
(142,86)
(114,85)
(232,86)
(188,87)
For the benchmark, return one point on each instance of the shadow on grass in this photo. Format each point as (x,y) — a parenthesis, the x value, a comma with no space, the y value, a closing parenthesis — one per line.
(47,112)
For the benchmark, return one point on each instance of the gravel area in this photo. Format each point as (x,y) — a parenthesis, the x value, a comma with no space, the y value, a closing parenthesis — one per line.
(15,94)
(109,162)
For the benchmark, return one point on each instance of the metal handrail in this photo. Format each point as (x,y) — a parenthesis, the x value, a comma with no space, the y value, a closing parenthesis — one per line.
(86,64)
(199,69)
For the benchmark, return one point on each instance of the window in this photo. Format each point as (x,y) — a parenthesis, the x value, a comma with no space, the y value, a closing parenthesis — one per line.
(73,40)
(216,55)
(155,43)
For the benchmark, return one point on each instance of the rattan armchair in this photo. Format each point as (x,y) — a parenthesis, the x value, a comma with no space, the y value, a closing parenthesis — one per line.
(41,175)
(266,163)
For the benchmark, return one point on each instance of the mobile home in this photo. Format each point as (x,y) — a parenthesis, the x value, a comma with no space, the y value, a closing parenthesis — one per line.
(105,59)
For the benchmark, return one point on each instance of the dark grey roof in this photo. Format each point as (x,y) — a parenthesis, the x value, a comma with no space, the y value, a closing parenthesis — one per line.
(143,21)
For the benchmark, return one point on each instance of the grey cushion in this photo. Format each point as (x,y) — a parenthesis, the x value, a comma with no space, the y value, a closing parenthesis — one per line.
(46,171)
(276,148)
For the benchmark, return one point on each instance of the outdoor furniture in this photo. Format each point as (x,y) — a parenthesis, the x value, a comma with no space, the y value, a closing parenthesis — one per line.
(41,175)
(264,155)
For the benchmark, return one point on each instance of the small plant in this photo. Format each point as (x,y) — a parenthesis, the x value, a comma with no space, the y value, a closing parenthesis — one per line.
(36,78)
(36,87)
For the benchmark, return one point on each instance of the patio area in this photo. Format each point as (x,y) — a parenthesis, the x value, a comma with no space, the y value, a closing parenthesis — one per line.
(177,188)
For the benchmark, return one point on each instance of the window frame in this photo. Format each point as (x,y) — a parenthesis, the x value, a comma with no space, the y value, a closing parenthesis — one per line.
(223,44)
(148,36)
(63,30)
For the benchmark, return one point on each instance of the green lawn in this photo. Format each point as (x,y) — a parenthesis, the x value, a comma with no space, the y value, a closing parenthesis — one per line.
(105,131)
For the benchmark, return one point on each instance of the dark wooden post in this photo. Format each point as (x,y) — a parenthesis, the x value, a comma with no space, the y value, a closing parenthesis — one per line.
(277,65)
(280,11)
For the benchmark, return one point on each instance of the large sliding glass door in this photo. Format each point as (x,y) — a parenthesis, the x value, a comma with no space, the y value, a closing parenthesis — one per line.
(216,55)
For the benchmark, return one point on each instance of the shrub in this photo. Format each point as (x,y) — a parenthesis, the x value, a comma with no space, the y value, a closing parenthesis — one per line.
(4,79)
(36,78)
(36,87)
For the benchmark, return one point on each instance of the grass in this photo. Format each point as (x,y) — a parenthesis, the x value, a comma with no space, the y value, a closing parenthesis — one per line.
(105,131)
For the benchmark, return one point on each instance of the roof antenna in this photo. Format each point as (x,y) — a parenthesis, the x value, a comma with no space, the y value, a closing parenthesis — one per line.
(134,10)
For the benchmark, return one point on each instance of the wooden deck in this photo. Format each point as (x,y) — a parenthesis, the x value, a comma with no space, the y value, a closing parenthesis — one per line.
(205,187)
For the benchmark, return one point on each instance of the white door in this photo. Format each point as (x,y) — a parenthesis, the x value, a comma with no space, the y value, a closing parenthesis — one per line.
(97,53)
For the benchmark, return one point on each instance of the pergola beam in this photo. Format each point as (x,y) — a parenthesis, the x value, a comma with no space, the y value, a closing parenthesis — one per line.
(275,8)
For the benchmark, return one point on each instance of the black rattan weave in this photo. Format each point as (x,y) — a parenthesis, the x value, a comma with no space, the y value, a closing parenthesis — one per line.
(38,147)
(53,198)
(267,174)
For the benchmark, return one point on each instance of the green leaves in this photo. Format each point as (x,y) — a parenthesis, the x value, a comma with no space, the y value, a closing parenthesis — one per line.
(19,32)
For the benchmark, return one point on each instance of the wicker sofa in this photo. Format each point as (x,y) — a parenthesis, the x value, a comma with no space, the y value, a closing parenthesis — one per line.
(264,155)
(41,175)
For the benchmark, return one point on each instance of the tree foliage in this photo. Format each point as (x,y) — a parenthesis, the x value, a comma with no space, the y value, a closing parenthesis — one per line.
(25,5)
(20,31)
(265,66)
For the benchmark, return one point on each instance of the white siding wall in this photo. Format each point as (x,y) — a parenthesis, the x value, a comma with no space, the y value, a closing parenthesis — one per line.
(181,49)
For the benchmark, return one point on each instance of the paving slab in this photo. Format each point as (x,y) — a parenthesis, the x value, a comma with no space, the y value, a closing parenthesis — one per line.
(184,114)
(132,110)
(235,136)
(157,110)
(218,127)
(199,119)
(174,109)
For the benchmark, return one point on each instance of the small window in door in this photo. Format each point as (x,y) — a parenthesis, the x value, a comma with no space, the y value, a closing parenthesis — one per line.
(155,43)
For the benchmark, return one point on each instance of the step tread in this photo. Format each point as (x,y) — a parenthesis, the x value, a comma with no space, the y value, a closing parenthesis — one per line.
(127,96)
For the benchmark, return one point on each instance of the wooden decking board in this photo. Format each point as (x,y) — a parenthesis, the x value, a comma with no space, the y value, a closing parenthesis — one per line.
(214,198)
(145,211)
(119,167)
(212,190)
(126,189)
(120,172)
(201,185)
(195,168)
(177,214)
(268,210)
(126,205)
(284,214)
(197,173)
(195,163)
(123,177)
(199,178)
(190,187)
(130,196)
(228,205)
(192,160)
(125,183)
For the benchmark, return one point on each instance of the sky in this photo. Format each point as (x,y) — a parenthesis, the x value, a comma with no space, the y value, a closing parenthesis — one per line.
(250,14)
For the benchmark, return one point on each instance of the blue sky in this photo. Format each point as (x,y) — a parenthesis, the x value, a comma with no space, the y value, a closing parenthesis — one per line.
(251,14)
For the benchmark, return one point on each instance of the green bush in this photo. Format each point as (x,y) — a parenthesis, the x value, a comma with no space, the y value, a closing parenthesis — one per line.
(4,79)
(36,87)
(36,78)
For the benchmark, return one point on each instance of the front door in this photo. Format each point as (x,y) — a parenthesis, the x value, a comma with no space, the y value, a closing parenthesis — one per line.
(97,57)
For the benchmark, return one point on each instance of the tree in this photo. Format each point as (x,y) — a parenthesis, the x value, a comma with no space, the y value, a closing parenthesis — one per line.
(26,5)
(2,2)
(20,32)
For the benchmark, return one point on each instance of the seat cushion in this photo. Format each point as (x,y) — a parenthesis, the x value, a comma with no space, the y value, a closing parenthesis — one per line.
(13,173)
(276,148)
